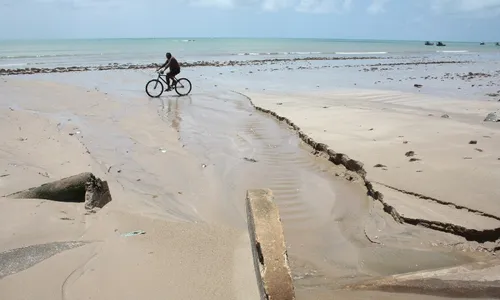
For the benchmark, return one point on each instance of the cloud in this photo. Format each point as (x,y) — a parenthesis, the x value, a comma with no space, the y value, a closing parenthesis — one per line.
(377,6)
(309,6)
(474,7)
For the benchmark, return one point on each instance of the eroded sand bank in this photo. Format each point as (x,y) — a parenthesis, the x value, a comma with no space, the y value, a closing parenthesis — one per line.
(173,160)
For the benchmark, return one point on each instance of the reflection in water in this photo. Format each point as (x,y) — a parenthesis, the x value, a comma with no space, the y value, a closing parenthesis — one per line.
(172,113)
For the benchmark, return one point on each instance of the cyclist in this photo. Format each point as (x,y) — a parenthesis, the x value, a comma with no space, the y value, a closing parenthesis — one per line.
(174,66)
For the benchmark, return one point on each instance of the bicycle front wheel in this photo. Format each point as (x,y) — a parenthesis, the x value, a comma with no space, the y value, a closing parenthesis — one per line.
(154,88)
(183,87)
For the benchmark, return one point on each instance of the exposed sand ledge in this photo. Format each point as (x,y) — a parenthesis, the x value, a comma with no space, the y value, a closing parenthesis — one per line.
(359,174)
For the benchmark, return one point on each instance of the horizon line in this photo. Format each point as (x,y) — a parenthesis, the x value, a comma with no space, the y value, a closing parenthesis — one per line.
(250,38)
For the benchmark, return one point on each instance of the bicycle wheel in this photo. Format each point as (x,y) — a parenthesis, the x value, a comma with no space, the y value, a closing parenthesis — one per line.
(154,88)
(183,87)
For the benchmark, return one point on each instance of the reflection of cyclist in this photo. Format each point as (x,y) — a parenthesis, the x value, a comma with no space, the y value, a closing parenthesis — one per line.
(174,66)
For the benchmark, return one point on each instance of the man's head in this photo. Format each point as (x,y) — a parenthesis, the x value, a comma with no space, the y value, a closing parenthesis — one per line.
(169,55)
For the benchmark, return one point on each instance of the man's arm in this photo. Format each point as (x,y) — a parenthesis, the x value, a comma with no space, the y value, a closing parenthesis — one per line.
(165,65)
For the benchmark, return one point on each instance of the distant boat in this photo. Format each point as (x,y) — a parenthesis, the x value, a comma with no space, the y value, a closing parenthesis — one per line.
(439,44)
(429,43)
(482,43)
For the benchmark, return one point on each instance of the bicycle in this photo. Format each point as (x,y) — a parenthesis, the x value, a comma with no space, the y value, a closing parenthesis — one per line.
(182,86)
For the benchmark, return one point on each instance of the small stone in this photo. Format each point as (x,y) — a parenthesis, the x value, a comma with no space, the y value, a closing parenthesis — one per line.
(414,159)
(445,116)
(249,159)
(473,142)
(417,85)
(479,150)
(380,166)
(410,153)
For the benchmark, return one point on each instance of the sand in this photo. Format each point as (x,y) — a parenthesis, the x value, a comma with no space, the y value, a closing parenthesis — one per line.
(456,179)
(179,169)
(42,141)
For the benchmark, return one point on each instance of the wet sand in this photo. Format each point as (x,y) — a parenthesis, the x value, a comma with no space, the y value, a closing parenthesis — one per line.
(179,168)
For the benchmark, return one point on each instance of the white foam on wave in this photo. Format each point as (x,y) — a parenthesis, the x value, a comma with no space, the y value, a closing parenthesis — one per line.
(12,65)
(452,51)
(359,53)
(277,53)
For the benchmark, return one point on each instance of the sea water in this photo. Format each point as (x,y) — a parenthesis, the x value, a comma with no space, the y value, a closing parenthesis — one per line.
(94,52)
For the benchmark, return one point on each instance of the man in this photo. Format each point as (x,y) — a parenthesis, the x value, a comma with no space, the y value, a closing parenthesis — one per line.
(174,66)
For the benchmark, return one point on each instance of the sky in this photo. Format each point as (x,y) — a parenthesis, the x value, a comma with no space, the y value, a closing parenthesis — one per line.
(446,20)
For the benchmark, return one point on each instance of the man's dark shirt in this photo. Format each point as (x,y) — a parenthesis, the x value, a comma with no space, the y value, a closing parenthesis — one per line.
(174,64)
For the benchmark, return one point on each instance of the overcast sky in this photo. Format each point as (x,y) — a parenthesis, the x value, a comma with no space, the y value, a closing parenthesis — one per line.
(463,20)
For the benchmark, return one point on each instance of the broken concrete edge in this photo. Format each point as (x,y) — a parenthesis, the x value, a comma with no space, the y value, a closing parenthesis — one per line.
(274,276)
(441,288)
(356,168)
(83,187)
(422,275)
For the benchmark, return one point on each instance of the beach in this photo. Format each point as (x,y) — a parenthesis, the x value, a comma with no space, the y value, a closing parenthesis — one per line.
(384,171)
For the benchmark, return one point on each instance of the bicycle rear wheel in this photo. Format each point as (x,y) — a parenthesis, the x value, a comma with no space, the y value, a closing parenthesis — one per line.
(183,87)
(154,88)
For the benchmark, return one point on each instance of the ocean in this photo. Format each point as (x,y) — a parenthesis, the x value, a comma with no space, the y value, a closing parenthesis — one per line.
(96,52)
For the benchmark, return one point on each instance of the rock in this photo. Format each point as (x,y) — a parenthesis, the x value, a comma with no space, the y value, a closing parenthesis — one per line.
(492,117)
(410,154)
(473,142)
(84,187)
(249,159)
(380,166)
(417,85)
(445,116)
(97,193)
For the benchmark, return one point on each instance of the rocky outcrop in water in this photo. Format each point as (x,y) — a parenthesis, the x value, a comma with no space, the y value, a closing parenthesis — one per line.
(117,66)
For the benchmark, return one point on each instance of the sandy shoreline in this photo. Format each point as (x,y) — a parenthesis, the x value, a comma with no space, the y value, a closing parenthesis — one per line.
(177,167)
(411,126)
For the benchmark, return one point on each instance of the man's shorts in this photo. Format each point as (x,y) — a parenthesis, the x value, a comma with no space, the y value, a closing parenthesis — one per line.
(173,73)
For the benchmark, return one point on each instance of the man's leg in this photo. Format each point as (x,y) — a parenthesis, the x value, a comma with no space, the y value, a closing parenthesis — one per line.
(169,74)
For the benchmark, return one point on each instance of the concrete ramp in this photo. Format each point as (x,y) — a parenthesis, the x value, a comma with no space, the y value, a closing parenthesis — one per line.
(268,246)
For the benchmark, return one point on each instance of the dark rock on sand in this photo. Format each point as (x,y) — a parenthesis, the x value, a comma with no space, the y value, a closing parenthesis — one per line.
(410,154)
(492,117)
(473,142)
(417,85)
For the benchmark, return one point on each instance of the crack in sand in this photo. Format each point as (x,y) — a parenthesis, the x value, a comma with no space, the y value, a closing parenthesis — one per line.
(356,169)
(460,207)
(74,276)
